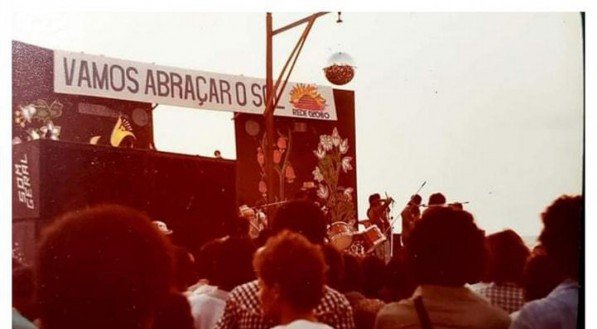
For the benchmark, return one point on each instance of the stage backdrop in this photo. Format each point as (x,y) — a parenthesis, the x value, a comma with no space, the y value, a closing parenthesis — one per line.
(39,112)
(311,157)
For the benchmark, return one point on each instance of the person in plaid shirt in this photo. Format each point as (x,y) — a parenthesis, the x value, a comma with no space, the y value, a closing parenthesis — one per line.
(503,285)
(507,295)
(243,308)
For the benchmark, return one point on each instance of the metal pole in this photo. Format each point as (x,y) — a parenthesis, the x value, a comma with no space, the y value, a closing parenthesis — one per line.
(271,100)
(300,45)
(269,113)
(299,22)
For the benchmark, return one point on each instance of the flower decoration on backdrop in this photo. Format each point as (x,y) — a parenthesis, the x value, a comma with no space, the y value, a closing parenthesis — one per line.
(282,165)
(37,120)
(17,254)
(333,160)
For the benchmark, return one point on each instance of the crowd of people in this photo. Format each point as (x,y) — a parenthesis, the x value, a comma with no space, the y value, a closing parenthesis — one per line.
(110,266)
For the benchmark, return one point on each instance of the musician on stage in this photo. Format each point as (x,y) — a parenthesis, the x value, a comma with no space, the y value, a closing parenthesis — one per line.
(256,219)
(378,214)
(410,215)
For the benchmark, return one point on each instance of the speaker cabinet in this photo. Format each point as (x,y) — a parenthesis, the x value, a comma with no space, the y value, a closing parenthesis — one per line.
(195,196)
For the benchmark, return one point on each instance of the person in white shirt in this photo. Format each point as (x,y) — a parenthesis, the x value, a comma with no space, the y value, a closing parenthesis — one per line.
(563,223)
(228,263)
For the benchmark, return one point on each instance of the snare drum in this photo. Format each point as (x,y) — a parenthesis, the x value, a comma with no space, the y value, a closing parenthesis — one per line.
(340,235)
(372,237)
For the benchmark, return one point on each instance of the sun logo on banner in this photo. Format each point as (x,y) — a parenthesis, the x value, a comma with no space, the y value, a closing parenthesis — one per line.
(306,97)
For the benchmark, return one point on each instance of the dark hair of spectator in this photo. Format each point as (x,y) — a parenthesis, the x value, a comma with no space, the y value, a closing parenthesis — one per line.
(174,312)
(457,206)
(563,222)
(302,217)
(447,248)
(354,278)
(540,275)
(335,262)
(436,199)
(506,258)
(240,227)
(204,262)
(184,269)
(232,263)
(373,269)
(399,282)
(102,267)
(290,262)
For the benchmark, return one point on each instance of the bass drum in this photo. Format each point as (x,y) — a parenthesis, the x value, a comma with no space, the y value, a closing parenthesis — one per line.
(372,237)
(340,235)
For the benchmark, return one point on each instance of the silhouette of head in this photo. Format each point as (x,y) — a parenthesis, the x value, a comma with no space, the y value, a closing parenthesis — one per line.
(303,217)
(506,258)
(540,275)
(446,248)
(436,199)
(563,222)
(103,267)
(230,262)
(354,276)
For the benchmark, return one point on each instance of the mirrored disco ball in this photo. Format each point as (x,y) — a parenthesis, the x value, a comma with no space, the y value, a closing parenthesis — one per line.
(339,69)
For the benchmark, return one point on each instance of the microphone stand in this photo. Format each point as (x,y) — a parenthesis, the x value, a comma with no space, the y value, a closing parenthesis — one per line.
(389,228)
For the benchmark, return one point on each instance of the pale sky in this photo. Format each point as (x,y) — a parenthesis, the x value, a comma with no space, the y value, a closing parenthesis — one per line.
(486,108)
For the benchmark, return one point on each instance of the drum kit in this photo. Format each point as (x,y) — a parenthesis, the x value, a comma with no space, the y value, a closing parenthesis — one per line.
(341,235)
(344,238)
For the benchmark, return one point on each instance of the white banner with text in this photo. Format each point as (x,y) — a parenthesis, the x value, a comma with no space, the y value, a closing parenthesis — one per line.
(91,75)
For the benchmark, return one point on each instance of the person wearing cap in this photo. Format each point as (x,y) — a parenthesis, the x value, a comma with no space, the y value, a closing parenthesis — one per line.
(184,274)
(175,311)
(162,227)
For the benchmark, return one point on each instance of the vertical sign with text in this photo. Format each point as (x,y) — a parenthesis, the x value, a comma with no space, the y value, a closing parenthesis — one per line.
(25,173)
